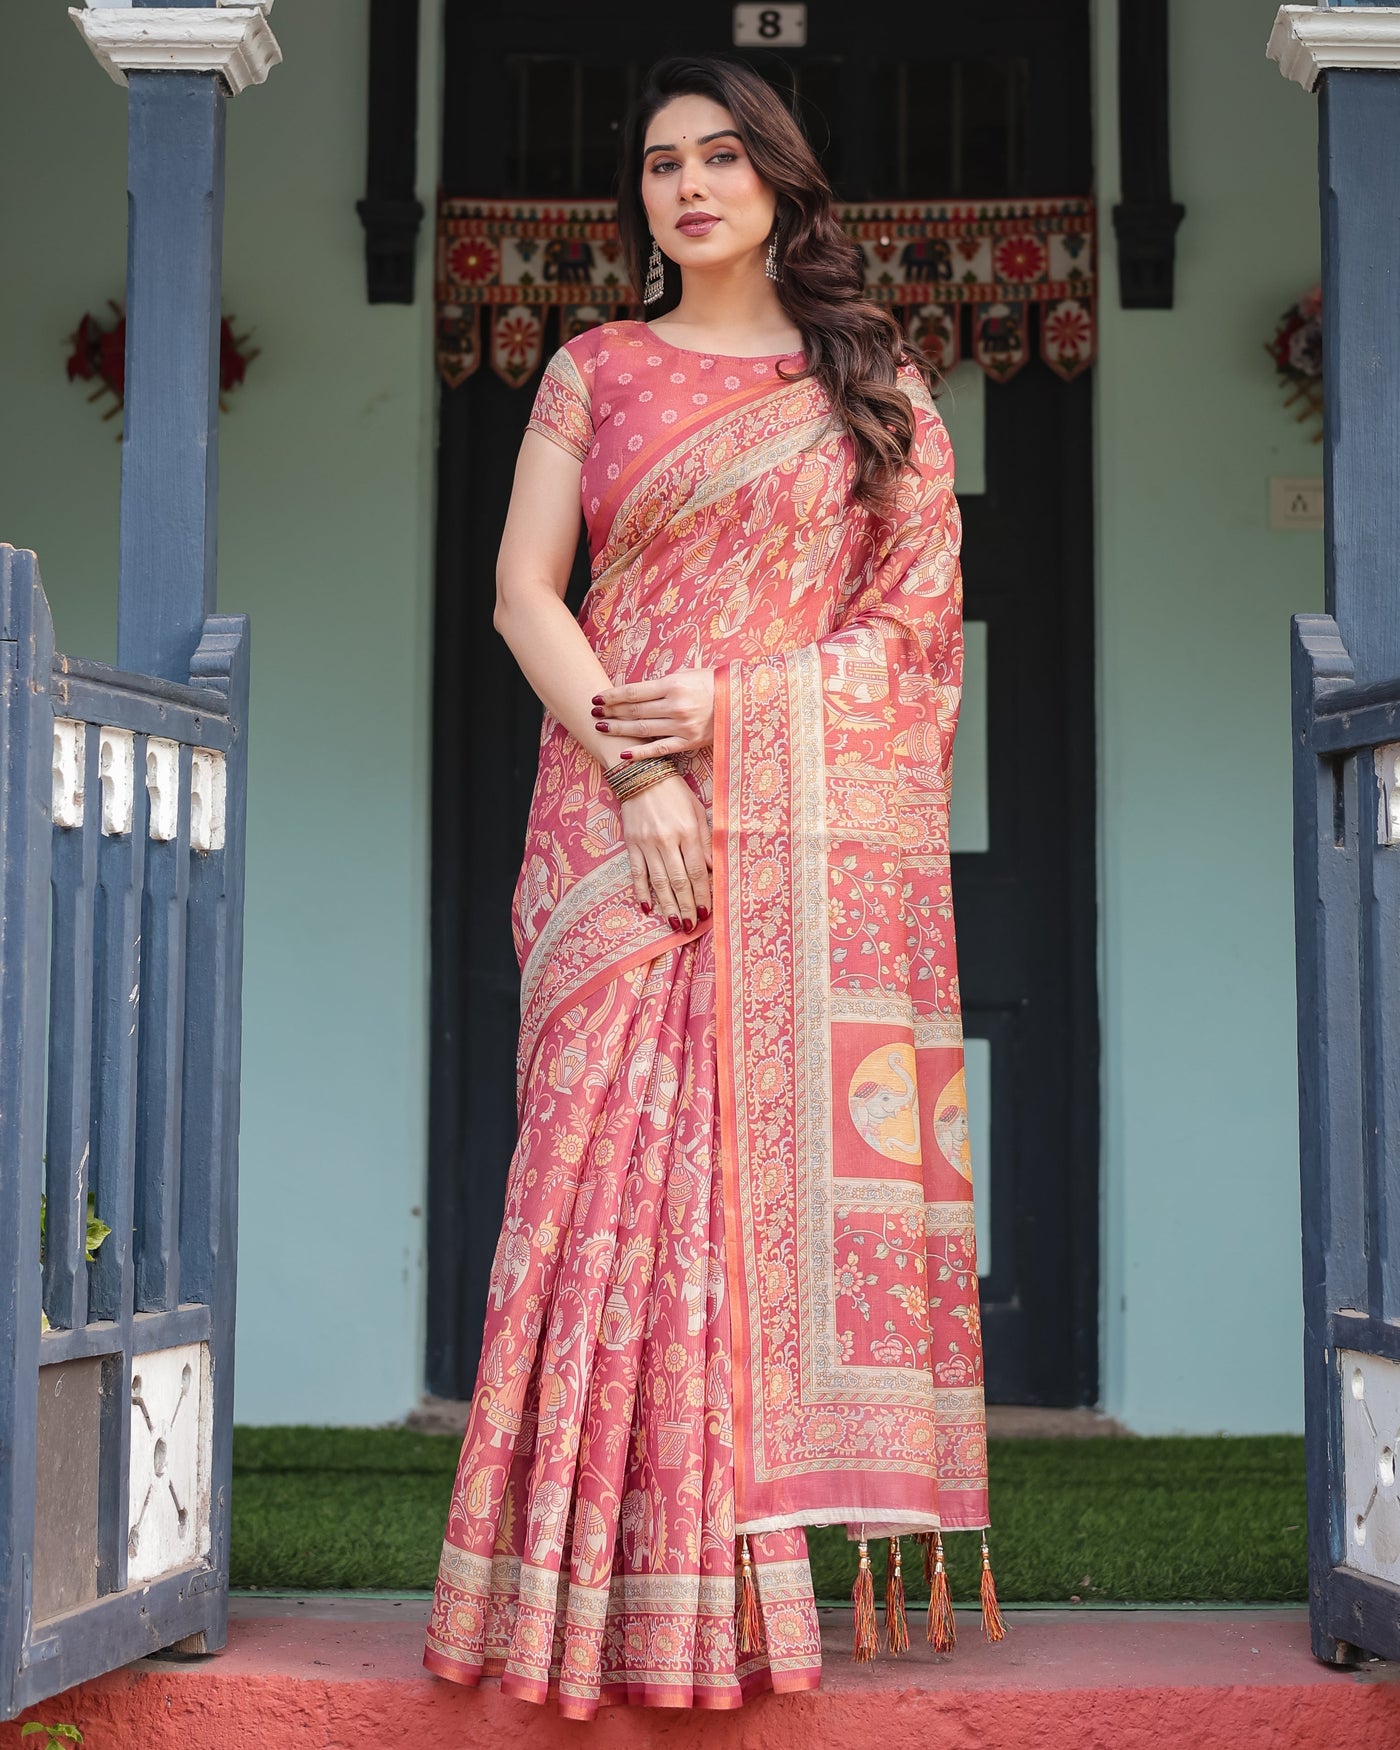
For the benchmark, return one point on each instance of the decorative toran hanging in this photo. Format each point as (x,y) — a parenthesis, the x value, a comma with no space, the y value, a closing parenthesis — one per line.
(933,261)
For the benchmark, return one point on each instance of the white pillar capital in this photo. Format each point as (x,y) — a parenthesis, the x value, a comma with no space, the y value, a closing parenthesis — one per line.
(1308,40)
(235,41)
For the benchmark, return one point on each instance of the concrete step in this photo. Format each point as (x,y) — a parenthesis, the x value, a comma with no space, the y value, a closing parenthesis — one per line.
(344,1674)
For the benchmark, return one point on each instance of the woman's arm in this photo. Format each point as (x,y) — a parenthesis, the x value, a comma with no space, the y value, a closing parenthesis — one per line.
(665,830)
(532,575)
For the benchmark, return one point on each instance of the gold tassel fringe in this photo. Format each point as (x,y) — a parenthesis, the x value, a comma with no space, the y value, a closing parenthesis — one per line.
(942,1624)
(863,1597)
(993,1624)
(748,1618)
(896,1620)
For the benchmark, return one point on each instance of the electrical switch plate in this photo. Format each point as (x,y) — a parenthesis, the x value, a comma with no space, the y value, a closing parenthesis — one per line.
(1295,502)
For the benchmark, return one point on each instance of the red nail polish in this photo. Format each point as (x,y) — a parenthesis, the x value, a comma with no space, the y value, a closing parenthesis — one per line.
(675,923)
(597,699)
(646,908)
(702,912)
(602,729)
(597,710)
(689,925)
(627,755)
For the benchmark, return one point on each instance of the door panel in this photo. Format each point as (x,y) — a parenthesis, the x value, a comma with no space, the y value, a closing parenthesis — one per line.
(1025,900)
(919,102)
(962,402)
(969,816)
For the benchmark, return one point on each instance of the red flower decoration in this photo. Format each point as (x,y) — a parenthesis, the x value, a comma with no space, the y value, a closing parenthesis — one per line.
(80,363)
(233,361)
(515,335)
(1068,332)
(100,354)
(473,260)
(1019,259)
(1296,349)
(111,355)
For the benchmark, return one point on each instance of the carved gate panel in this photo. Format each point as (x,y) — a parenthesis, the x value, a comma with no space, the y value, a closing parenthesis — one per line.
(121,839)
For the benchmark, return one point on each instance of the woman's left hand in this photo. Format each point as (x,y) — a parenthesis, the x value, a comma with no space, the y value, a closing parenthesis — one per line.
(673,714)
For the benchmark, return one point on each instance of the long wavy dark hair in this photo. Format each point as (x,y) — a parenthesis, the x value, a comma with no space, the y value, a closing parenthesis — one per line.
(853,347)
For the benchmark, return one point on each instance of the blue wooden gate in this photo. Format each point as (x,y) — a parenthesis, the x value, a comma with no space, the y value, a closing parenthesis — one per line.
(1346,761)
(121,905)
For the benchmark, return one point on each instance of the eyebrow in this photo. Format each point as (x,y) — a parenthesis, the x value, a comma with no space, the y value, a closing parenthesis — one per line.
(704,140)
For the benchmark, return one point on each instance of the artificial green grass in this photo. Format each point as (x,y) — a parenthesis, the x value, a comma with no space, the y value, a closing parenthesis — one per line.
(1150,1521)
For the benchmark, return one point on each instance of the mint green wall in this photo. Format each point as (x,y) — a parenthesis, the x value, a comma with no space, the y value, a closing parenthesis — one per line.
(1202,1319)
(325,540)
(325,535)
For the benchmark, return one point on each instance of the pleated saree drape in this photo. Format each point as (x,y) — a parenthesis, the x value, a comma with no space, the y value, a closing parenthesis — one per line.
(735,1292)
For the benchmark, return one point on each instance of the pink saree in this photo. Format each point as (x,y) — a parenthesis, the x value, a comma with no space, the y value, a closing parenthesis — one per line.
(735,1292)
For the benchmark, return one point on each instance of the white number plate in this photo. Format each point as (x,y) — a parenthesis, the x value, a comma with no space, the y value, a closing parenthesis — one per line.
(771,26)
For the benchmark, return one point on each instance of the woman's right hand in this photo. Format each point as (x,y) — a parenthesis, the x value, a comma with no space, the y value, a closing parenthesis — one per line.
(668,846)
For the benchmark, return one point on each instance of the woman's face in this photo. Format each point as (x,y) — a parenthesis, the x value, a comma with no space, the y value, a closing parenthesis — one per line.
(706,204)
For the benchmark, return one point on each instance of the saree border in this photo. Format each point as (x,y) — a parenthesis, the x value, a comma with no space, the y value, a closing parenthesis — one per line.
(758,451)
(818,1190)
(608,889)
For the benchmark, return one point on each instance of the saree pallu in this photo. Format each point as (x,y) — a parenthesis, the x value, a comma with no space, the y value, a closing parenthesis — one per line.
(735,1292)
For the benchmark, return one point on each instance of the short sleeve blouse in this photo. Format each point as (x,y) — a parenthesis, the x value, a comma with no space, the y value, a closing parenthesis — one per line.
(618,398)
(562,409)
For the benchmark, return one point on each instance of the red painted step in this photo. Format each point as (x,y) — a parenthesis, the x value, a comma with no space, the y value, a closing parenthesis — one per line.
(346,1674)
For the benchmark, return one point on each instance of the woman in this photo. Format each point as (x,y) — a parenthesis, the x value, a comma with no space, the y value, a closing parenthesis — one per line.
(735,1293)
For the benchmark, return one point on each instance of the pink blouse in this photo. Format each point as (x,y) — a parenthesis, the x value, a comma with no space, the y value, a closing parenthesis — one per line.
(616,389)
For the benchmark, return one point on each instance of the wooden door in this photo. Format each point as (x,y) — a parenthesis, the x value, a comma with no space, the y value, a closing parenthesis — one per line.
(920,101)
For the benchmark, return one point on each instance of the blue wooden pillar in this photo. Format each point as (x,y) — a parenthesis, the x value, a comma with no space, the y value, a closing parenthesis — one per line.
(170,454)
(170,450)
(1346,747)
(180,64)
(1359,164)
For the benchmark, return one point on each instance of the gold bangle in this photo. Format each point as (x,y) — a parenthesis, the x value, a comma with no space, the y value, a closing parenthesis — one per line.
(630,778)
(643,781)
(623,773)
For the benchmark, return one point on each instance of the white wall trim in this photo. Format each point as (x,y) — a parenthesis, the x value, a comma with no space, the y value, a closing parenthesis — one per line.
(235,42)
(1307,40)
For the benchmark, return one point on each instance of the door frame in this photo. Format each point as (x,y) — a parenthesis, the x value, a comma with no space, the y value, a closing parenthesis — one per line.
(464,1212)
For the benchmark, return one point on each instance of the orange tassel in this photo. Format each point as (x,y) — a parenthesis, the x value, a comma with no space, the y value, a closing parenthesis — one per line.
(896,1621)
(863,1597)
(748,1618)
(942,1624)
(926,1543)
(993,1623)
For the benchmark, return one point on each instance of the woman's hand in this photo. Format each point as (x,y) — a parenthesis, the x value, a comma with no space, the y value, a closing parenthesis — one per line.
(673,714)
(668,846)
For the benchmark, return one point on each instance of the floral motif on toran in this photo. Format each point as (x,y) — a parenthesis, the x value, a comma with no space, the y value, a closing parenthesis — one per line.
(930,261)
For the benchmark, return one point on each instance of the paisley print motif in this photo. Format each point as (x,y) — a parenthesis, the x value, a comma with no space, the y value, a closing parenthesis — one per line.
(859,1397)
(735,1290)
